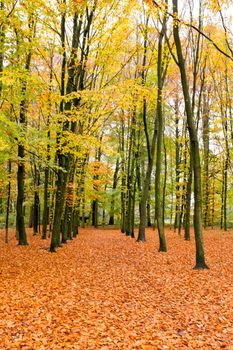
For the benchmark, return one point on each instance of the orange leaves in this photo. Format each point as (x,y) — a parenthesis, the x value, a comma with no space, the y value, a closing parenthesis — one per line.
(105,291)
(99,168)
(101,176)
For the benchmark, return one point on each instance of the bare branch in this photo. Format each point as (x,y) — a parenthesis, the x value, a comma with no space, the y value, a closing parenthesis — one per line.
(195,28)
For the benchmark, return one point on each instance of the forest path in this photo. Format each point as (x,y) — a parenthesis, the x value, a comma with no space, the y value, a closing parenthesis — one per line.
(105,291)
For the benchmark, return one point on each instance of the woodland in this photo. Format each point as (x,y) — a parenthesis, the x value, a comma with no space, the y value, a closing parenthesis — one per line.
(116,134)
(115,113)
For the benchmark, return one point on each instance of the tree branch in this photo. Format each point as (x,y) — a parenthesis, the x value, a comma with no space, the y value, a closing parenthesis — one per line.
(193,27)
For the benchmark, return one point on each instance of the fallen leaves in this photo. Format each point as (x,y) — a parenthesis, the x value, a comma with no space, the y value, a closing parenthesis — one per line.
(105,291)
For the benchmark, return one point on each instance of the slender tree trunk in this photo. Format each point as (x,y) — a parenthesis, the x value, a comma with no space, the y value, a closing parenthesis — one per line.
(148,208)
(62,160)
(213,203)
(46,205)
(114,186)
(225,194)
(183,186)
(165,179)
(59,202)
(130,175)
(138,180)
(171,176)
(36,201)
(150,150)
(133,210)
(222,199)
(123,177)
(66,231)
(80,194)
(129,185)
(22,237)
(2,49)
(83,209)
(143,201)
(95,205)
(160,125)
(46,172)
(205,123)
(8,201)
(195,154)
(183,189)
(75,222)
(51,204)
(188,201)
(177,212)
(225,171)
(20,199)
(95,208)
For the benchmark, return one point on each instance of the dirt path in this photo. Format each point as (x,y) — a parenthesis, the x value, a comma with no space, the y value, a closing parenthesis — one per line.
(104,291)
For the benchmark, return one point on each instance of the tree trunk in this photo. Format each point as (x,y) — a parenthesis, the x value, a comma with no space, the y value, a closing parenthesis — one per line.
(46,205)
(130,175)
(21,232)
(114,186)
(133,210)
(205,133)
(177,211)
(195,154)
(2,49)
(225,169)
(188,201)
(150,149)
(144,197)
(158,203)
(160,122)
(148,208)
(47,172)
(59,201)
(20,199)
(68,215)
(80,194)
(95,206)
(123,177)
(62,159)
(36,205)
(8,201)
(213,203)
(165,179)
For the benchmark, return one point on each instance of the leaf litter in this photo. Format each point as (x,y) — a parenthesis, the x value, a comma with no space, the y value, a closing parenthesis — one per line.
(105,291)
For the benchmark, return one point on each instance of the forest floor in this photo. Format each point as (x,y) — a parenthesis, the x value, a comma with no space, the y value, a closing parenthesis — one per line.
(105,291)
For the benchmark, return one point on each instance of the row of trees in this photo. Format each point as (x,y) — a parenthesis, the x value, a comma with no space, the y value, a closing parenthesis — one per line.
(115,112)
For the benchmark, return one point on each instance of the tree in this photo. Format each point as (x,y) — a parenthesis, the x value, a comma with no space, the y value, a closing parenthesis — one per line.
(156,136)
(194,146)
(23,122)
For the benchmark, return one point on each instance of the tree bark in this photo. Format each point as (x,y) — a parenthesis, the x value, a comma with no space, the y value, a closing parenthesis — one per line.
(188,200)
(177,211)
(150,149)
(158,202)
(47,172)
(195,154)
(62,160)
(8,200)
(114,186)
(123,177)
(205,133)
(2,43)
